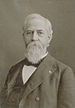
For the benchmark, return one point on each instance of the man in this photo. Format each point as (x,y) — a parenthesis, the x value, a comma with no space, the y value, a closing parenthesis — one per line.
(38,81)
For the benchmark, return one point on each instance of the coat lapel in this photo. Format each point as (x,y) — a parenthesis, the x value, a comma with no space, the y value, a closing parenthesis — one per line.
(38,76)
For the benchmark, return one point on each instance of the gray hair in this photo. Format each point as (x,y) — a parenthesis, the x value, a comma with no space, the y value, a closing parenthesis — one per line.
(33,16)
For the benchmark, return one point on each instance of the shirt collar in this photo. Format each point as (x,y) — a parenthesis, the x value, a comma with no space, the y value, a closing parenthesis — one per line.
(44,55)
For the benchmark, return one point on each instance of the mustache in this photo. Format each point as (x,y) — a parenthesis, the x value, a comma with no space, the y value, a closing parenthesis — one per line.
(35,43)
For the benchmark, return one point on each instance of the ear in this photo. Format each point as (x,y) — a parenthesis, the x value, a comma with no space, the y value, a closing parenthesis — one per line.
(50,37)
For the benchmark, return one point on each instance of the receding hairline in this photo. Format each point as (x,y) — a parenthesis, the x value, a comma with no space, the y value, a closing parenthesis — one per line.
(38,16)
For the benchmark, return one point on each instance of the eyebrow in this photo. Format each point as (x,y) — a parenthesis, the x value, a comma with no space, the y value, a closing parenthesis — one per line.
(40,30)
(33,30)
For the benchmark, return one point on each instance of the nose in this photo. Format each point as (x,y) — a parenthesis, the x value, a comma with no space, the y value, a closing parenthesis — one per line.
(34,36)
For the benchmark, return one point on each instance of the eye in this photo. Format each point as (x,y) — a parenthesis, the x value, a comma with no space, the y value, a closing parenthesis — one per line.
(28,32)
(40,32)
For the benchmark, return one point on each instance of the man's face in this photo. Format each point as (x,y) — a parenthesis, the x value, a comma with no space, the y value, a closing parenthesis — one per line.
(36,37)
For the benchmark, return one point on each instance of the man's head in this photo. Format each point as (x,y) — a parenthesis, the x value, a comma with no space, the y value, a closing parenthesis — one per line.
(37,36)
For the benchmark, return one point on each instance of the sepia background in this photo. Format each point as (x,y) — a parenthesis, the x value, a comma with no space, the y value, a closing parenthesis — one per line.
(12,14)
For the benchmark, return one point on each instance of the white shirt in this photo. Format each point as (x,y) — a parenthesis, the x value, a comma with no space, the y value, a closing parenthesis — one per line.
(27,71)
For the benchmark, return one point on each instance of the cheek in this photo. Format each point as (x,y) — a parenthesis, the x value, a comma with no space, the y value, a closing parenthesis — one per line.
(44,41)
(27,40)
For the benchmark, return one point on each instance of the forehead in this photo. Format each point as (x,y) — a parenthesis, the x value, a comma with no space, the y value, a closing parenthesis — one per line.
(35,24)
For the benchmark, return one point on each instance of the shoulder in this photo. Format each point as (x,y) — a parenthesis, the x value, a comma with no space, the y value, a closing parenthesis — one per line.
(13,70)
(17,65)
(56,63)
(61,70)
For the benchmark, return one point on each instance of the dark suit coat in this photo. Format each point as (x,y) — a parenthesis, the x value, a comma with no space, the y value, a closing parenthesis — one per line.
(52,85)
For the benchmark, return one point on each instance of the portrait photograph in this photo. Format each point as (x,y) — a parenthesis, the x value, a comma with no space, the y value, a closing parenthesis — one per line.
(37,53)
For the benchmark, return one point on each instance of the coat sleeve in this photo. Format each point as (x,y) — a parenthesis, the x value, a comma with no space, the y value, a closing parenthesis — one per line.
(4,91)
(3,96)
(66,91)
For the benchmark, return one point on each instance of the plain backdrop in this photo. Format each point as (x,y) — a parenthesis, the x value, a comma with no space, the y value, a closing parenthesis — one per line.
(12,15)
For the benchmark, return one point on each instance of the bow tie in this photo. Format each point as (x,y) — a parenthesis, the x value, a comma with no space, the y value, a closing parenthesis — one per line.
(31,64)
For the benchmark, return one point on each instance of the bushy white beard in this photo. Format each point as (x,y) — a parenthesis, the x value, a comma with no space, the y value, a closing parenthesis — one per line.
(35,51)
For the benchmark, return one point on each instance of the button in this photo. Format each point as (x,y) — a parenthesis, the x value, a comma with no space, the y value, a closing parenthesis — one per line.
(37,98)
(50,72)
